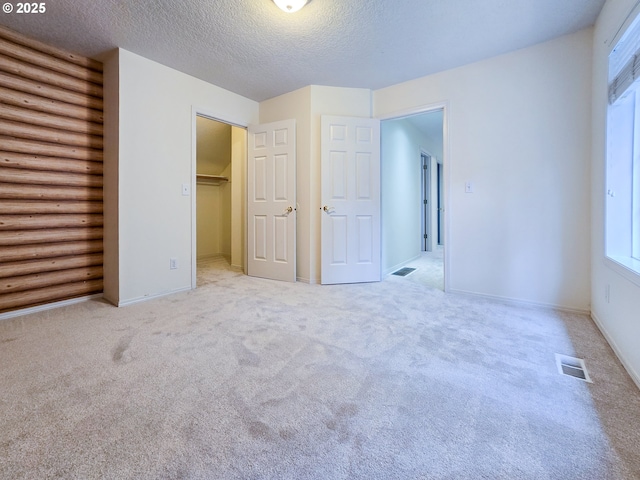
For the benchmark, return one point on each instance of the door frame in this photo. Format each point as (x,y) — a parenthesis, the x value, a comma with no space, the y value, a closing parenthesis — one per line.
(197,111)
(447,162)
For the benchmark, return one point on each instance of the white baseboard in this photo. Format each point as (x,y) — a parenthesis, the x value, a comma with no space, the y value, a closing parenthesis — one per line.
(614,346)
(145,298)
(522,303)
(48,306)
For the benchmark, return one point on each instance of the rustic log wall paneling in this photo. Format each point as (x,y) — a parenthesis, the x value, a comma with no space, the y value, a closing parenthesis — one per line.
(51,210)
(52,251)
(38,74)
(44,163)
(18,114)
(47,91)
(50,105)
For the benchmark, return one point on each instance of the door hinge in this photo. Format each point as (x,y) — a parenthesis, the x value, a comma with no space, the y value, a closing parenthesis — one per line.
(426,201)
(424,166)
(426,236)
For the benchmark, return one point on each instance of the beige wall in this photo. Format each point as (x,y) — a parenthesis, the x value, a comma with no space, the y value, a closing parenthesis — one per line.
(213,146)
(213,201)
(306,106)
(618,317)
(350,102)
(517,126)
(238,182)
(111,88)
(297,105)
(156,140)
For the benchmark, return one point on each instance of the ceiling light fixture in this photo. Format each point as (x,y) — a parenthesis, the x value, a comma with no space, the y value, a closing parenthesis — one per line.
(290,6)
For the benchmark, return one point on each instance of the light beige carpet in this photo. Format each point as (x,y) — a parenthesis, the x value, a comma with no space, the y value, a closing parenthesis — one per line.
(246,378)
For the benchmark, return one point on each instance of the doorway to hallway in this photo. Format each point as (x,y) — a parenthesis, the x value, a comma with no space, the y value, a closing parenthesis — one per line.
(413,198)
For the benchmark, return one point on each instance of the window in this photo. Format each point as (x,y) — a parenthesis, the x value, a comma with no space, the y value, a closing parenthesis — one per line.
(622,225)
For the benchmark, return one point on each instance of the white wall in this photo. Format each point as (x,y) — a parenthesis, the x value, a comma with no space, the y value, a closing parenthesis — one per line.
(306,106)
(518,125)
(619,319)
(401,192)
(155,159)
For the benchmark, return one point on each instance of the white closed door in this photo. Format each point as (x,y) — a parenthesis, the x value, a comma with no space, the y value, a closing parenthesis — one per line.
(271,202)
(350,227)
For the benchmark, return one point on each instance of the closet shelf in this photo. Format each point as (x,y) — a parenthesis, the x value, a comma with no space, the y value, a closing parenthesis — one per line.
(211,179)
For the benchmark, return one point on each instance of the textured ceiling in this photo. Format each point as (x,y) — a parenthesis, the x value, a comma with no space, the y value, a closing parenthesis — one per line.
(254,49)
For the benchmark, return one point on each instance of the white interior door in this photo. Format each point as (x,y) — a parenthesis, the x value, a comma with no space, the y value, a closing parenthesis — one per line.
(350,228)
(271,202)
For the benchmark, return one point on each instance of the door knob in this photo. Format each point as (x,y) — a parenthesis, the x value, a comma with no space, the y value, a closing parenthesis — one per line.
(327,209)
(288,210)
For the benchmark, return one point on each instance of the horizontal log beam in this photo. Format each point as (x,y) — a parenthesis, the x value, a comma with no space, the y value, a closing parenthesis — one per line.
(33,117)
(31,147)
(37,177)
(60,137)
(32,267)
(29,55)
(33,207)
(49,221)
(52,164)
(19,253)
(40,280)
(48,105)
(26,70)
(44,192)
(47,91)
(20,39)
(50,294)
(30,237)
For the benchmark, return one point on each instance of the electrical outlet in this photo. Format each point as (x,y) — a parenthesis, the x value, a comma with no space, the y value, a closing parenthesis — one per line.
(468,187)
(173,263)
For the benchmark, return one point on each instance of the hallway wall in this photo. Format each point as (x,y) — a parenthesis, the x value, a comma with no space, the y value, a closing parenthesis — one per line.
(401,191)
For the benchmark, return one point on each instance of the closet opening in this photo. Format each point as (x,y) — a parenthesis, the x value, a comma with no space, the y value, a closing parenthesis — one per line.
(219,178)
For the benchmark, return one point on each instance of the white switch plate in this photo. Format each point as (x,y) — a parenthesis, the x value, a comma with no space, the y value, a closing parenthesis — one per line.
(186,189)
(173,263)
(468,187)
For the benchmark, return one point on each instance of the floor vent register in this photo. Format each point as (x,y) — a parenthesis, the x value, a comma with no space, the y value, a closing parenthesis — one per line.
(403,272)
(573,367)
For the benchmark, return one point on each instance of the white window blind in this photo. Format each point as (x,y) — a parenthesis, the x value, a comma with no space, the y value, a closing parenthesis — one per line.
(624,62)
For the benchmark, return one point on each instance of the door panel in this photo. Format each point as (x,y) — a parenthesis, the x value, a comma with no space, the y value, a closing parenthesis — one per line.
(350,176)
(271,201)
